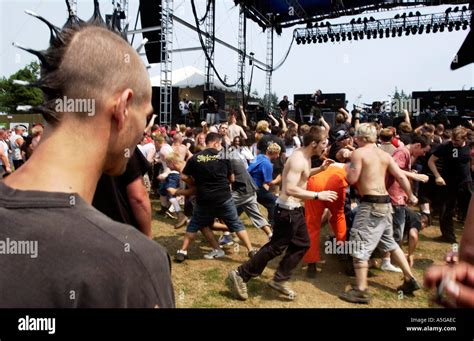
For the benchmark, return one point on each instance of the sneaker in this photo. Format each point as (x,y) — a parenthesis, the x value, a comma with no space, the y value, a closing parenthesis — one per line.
(216,253)
(390,267)
(181,256)
(282,287)
(311,271)
(356,296)
(252,253)
(171,215)
(226,240)
(408,287)
(237,285)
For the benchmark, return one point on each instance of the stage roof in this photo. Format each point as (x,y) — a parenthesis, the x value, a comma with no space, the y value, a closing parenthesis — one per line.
(286,13)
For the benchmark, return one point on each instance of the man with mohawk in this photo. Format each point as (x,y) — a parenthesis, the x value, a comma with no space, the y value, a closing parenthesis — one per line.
(84,259)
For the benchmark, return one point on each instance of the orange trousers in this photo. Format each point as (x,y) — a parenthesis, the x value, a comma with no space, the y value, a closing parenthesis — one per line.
(333,179)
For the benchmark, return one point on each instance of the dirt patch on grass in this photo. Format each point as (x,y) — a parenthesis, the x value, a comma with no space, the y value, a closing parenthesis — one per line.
(200,283)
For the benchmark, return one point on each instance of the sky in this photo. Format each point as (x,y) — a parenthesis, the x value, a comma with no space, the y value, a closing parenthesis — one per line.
(367,70)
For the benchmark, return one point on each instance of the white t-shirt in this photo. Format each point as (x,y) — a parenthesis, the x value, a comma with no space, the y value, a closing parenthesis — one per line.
(15,147)
(148,150)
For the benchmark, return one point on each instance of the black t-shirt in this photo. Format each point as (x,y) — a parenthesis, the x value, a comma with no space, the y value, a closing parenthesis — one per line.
(346,126)
(283,105)
(111,196)
(210,172)
(456,163)
(84,258)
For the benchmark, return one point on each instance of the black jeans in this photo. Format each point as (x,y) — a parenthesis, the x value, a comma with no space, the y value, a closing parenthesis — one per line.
(450,194)
(290,233)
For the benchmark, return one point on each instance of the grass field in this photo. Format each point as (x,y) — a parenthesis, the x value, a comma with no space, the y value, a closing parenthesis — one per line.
(200,283)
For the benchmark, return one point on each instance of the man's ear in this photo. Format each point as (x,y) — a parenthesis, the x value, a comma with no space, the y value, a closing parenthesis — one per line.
(121,108)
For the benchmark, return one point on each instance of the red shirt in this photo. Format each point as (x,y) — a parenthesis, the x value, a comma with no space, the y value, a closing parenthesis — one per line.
(403,159)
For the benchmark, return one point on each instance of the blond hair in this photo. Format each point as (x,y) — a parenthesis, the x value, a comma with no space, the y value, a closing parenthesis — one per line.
(173,157)
(262,126)
(273,148)
(367,132)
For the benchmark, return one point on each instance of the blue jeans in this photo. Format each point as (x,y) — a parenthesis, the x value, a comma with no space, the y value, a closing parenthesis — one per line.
(204,215)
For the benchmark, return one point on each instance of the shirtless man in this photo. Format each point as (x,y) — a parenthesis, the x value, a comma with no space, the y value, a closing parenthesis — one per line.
(372,226)
(289,229)
(180,148)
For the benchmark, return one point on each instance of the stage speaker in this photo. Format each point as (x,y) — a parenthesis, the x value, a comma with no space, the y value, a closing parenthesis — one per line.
(156,100)
(330,117)
(150,15)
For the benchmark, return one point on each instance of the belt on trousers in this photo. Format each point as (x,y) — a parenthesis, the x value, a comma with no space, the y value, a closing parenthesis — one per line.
(376,199)
(288,207)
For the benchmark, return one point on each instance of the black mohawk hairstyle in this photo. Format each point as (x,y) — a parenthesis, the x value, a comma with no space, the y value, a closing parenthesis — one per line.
(50,59)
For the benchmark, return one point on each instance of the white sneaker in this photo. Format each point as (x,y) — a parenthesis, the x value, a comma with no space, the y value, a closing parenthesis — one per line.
(216,253)
(390,267)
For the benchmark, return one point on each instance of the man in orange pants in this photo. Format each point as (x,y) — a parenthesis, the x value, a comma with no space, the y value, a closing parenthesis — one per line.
(334,179)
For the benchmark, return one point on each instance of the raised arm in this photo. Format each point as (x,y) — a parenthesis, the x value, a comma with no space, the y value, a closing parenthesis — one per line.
(275,121)
(244,116)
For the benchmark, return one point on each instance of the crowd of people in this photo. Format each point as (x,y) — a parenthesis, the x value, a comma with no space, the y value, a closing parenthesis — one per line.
(375,186)
(82,189)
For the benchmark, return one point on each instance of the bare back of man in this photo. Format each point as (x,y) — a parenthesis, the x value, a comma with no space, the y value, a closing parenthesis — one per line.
(373,166)
(372,227)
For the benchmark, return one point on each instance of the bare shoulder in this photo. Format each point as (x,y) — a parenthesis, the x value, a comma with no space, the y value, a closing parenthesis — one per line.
(296,160)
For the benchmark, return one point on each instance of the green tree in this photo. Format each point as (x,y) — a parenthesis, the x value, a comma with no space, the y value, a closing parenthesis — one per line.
(12,95)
